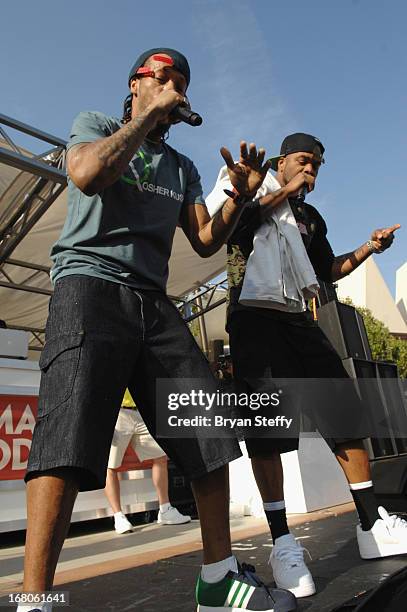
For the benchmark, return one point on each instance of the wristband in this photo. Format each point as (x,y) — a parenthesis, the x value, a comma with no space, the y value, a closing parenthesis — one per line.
(238,198)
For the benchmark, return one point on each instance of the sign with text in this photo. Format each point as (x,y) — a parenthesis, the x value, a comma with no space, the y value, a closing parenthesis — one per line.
(17,419)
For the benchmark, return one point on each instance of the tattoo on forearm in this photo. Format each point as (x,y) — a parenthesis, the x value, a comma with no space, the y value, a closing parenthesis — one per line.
(116,151)
(346,263)
(228,208)
(340,259)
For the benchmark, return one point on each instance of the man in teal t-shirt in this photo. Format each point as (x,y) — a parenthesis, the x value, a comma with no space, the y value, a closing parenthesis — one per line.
(124,233)
(111,325)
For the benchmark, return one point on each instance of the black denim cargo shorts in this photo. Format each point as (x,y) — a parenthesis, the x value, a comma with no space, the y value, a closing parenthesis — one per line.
(102,337)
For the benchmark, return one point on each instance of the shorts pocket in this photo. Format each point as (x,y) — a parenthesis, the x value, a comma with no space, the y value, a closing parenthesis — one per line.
(59,364)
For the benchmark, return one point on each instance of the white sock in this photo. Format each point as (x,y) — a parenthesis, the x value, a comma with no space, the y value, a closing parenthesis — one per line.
(214,572)
(271,506)
(165,507)
(45,607)
(357,486)
(119,515)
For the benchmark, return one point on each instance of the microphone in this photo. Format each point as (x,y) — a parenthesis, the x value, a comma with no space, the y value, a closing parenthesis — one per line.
(182,113)
(302,195)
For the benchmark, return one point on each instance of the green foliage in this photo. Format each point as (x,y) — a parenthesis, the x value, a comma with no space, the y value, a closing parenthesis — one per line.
(384,346)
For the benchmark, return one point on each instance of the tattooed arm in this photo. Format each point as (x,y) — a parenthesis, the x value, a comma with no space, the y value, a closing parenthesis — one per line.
(380,240)
(95,165)
(346,263)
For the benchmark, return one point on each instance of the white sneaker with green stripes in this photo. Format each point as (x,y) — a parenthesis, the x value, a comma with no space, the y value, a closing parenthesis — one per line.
(242,591)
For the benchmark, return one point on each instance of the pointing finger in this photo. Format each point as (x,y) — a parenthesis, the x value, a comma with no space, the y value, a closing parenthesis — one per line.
(393,228)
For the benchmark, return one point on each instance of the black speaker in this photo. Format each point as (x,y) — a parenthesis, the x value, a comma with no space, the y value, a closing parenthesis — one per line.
(369,390)
(345,329)
(395,402)
(389,476)
(326,293)
(382,394)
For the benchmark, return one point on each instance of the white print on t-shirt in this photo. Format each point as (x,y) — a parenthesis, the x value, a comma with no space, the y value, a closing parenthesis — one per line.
(164,191)
(152,188)
(136,175)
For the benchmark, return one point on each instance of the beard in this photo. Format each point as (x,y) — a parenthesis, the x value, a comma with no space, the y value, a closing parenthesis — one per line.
(160,130)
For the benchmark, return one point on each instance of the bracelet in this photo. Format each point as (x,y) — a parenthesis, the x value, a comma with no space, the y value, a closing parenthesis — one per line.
(238,198)
(372,248)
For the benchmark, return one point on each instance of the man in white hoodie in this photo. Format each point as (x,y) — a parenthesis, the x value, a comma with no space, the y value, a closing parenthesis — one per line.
(270,340)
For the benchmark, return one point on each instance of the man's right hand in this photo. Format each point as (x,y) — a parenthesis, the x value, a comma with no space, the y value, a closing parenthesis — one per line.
(164,103)
(294,187)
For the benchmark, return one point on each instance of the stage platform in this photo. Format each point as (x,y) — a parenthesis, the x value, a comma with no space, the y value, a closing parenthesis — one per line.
(154,568)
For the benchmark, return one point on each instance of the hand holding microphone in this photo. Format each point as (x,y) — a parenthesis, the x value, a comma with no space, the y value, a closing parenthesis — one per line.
(300,185)
(170,106)
(183,112)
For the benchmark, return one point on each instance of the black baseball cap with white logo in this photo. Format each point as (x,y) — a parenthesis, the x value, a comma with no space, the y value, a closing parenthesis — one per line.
(299,142)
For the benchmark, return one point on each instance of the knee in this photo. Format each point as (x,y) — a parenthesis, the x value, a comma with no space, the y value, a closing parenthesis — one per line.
(161,460)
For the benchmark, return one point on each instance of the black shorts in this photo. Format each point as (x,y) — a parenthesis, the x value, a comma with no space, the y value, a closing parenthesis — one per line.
(102,337)
(264,349)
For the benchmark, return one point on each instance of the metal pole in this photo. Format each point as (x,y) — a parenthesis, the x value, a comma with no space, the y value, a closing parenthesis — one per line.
(28,288)
(27,164)
(207,309)
(202,328)
(28,129)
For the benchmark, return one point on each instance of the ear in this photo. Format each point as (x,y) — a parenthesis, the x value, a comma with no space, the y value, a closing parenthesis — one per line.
(281,164)
(134,85)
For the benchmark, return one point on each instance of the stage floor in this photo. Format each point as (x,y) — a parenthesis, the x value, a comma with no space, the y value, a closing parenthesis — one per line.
(154,569)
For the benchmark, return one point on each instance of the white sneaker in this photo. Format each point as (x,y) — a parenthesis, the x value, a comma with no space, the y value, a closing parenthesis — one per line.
(122,524)
(289,569)
(388,536)
(172,517)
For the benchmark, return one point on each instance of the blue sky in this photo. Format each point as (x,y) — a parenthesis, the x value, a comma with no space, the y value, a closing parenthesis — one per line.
(260,70)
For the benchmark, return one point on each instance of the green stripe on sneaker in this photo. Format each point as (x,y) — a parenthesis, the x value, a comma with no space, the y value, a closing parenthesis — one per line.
(244,595)
(213,594)
(233,588)
(247,598)
(238,590)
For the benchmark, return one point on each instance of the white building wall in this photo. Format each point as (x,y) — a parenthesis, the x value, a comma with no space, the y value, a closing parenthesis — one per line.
(366,287)
(354,287)
(401,291)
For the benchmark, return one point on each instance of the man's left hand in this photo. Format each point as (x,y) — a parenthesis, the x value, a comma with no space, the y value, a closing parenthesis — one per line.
(248,173)
(382,238)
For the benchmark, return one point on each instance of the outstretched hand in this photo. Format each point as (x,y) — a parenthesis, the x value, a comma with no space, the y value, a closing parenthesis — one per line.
(382,238)
(248,173)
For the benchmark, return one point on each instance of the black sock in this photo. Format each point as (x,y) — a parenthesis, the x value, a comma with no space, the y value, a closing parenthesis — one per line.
(276,518)
(366,503)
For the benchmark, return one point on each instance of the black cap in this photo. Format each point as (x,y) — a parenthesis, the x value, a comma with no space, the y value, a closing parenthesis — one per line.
(180,62)
(294,143)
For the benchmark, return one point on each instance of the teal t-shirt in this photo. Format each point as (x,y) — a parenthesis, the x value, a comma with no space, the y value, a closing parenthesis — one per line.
(124,233)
